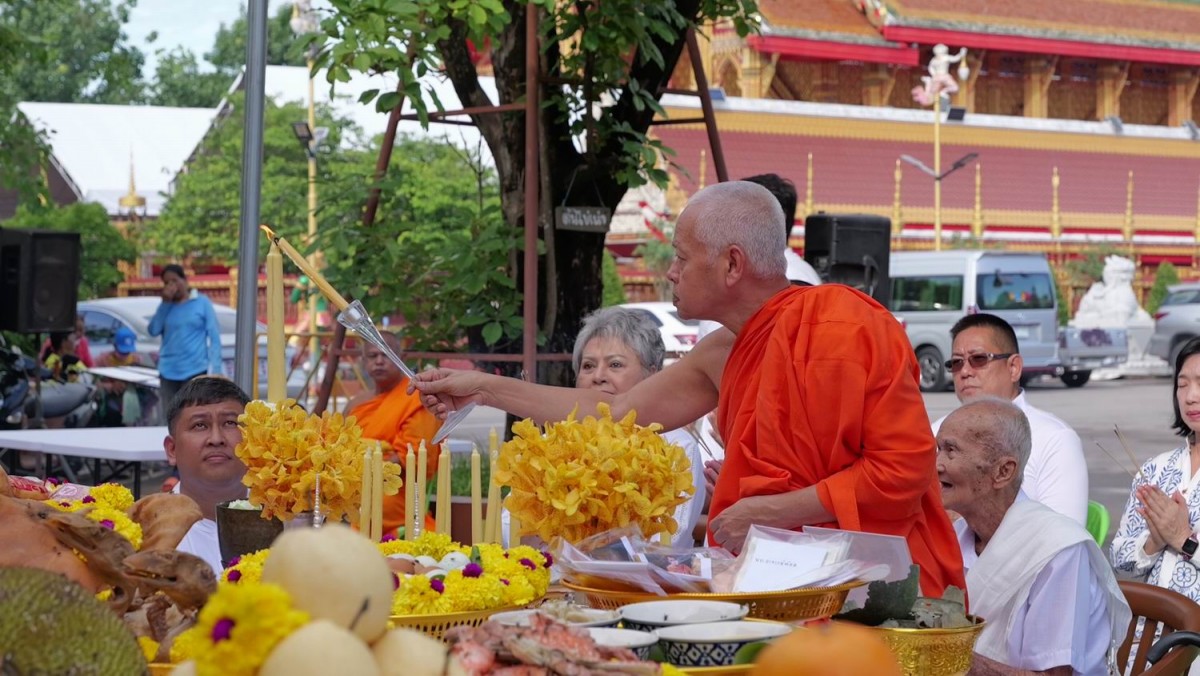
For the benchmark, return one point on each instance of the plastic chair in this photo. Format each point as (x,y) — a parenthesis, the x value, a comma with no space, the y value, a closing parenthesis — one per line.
(1097,521)
(1162,608)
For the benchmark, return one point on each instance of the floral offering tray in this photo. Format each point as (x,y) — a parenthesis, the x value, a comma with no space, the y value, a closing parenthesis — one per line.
(437,625)
(792,605)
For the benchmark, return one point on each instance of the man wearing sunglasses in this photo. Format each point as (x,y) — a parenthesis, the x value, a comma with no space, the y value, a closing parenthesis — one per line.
(985,360)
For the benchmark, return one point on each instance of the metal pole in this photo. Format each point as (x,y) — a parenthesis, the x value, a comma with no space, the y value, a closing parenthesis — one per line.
(937,171)
(313,343)
(529,339)
(256,65)
(714,139)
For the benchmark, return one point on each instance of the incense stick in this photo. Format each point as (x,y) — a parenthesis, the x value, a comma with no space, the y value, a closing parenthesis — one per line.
(1117,462)
(1128,451)
(691,429)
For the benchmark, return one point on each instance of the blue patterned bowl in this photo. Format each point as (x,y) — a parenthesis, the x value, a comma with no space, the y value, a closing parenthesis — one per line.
(714,644)
(651,615)
(639,642)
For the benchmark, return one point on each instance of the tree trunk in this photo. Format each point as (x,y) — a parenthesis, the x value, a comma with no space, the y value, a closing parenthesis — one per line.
(569,179)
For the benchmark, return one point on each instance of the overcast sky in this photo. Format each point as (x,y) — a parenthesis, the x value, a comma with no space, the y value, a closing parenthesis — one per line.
(189,23)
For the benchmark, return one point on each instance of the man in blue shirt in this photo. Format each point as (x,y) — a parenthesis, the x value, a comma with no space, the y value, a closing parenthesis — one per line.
(191,341)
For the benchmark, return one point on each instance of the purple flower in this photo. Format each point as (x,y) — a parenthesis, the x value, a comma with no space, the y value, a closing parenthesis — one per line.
(54,481)
(234,561)
(234,575)
(222,629)
(472,570)
(388,537)
(395,582)
(108,524)
(64,503)
(549,559)
(437,585)
(87,500)
(529,564)
(504,581)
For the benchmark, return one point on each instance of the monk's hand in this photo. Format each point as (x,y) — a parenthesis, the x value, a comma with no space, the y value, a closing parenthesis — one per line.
(444,391)
(712,469)
(1169,514)
(731,526)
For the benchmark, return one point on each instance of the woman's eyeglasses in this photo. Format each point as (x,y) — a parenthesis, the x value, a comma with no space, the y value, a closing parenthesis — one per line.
(977,360)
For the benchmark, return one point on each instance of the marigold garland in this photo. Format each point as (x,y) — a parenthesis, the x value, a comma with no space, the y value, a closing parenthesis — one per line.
(284,447)
(583,477)
(246,568)
(103,505)
(237,629)
(112,495)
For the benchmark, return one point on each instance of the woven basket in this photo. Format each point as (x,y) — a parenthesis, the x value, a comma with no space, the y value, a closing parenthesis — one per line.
(437,625)
(792,605)
(161,668)
(933,652)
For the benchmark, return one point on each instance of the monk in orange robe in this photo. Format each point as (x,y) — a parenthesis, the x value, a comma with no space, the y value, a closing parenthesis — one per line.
(820,406)
(396,418)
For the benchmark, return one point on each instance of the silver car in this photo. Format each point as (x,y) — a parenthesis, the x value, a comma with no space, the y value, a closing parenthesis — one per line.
(103,316)
(1177,320)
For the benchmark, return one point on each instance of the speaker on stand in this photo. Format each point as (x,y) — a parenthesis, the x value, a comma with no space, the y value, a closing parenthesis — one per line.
(851,249)
(39,280)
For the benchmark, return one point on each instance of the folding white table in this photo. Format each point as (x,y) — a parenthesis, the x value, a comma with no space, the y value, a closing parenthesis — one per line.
(120,447)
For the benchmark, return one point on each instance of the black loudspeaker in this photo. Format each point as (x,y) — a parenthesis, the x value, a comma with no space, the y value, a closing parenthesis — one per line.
(851,250)
(39,280)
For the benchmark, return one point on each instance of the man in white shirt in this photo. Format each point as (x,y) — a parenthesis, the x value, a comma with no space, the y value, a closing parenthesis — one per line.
(1049,597)
(985,360)
(202,424)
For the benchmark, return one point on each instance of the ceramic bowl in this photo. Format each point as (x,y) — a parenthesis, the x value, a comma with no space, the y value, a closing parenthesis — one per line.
(652,615)
(640,642)
(580,617)
(714,644)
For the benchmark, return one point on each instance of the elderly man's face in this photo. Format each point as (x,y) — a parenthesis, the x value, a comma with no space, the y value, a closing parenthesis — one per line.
(692,273)
(384,373)
(964,468)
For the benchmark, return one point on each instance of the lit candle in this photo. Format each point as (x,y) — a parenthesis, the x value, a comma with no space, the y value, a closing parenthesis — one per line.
(298,258)
(443,497)
(476,497)
(422,479)
(410,495)
(364,508)
(276,342)
(377,494)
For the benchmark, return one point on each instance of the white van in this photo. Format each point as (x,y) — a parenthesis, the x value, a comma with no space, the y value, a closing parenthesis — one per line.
(931,290)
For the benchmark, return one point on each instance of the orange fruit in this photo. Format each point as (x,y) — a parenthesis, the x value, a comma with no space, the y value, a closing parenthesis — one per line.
(829,649)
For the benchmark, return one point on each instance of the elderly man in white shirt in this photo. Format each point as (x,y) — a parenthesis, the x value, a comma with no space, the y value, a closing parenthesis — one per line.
(1050,599)
(985,360)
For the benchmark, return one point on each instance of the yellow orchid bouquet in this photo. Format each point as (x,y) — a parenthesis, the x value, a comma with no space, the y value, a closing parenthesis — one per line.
(578,478)
(284,449)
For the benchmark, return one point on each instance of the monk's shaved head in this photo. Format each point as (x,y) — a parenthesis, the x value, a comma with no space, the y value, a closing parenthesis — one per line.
(381,369)
(743,214)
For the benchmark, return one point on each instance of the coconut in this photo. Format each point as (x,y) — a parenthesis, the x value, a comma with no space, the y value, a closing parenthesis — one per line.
(320,648)
(454,561)
(336,574)
(403,652)
(184,669)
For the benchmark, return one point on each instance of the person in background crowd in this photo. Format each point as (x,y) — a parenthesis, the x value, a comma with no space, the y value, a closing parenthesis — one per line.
(191,339)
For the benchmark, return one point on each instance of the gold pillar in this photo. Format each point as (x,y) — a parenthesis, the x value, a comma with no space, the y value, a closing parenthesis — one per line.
(965,98)
(1196,232)
(808,188)
(758,70)
(1055,215)
(897,214)
(937,172)
(878,81)
(977,221)
(1111,82)
(1127,228)
(1180,93)
(1039,74)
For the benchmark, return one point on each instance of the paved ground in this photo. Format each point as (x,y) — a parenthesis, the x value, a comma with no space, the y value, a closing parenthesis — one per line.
(1141,407)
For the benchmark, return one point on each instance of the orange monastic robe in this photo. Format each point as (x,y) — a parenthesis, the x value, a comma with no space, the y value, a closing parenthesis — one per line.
(821,389)
(399,419)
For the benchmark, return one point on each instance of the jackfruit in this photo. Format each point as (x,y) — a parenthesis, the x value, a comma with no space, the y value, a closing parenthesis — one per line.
(50,625)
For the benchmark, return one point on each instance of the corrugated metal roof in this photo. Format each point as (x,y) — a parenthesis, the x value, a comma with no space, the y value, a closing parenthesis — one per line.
(94,143)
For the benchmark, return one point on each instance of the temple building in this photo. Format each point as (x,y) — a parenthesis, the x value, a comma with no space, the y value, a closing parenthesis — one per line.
(1073,123)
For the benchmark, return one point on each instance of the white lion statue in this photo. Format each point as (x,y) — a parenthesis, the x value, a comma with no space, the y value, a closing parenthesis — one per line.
(1112,303)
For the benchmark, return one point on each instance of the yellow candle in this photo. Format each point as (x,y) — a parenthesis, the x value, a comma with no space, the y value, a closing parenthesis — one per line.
(276,359)
(410,495)
(364,508)
(514,529)
(422,479)
(443,498)
(476,497)
(493,500)
(298,258)
(377,494)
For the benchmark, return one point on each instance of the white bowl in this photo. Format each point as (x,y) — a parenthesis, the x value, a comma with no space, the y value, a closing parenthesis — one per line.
(651,615)
(639,642)
(714,644)
(596,617)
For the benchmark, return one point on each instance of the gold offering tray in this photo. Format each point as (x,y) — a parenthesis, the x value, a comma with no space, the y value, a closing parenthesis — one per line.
(437,625)
(933,652)
(809,603)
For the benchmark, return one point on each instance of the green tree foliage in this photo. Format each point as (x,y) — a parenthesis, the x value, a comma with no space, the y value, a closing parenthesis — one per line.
(440,255)
(284,48)
(201,217)
(101,245)
(180,81)
(657,255)
(620,52)
(1165,276)
(614,288)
